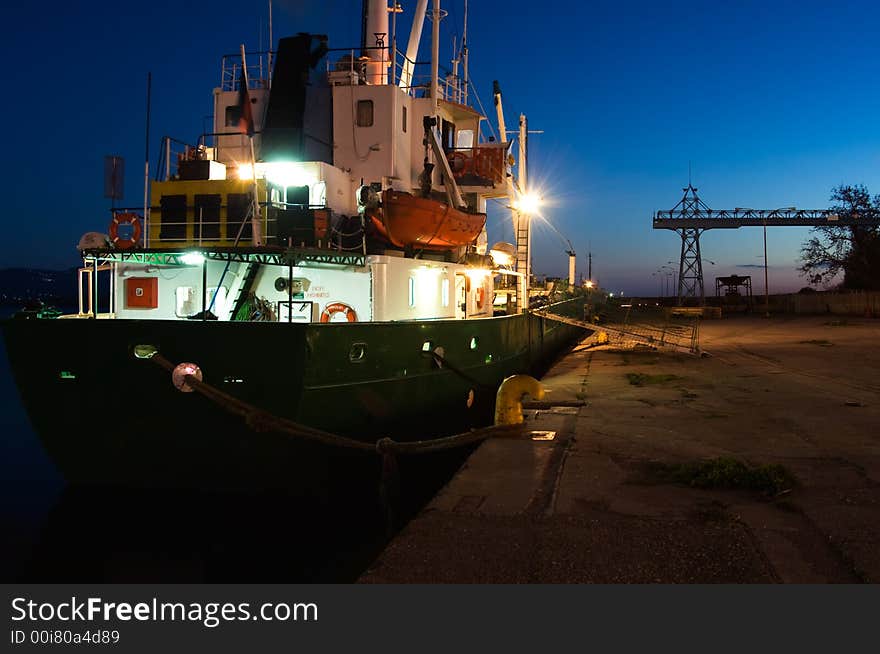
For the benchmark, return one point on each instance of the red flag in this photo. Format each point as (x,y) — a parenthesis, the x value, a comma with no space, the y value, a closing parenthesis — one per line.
(245,113)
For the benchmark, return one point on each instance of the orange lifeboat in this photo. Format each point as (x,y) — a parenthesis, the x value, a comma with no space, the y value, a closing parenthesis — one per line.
(406,220)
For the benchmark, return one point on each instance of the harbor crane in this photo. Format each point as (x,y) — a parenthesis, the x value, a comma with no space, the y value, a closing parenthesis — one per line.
(691,217)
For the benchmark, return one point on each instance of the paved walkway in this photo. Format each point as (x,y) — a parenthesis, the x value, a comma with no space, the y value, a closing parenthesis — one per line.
(801,392)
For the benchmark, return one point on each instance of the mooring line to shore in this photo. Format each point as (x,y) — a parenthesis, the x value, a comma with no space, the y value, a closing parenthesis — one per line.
(259,419)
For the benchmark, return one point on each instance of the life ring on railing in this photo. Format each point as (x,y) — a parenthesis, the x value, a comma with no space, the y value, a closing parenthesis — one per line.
(480,296)
(123,220)
(338,307)
(460,163)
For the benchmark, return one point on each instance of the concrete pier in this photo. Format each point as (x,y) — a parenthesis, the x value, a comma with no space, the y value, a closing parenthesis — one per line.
(588,506)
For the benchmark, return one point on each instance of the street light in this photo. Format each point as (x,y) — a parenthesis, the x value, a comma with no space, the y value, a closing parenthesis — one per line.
(766,288)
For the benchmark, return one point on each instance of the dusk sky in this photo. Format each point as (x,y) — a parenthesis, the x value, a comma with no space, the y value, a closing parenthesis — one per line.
(774,103)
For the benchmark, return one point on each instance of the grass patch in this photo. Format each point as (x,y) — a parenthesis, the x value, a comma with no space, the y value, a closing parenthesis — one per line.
(725,472)
(641,379)
(817,341)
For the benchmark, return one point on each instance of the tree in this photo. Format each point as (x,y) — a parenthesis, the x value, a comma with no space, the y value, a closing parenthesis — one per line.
(854,250)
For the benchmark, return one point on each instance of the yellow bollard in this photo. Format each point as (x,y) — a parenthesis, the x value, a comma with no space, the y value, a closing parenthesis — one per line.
(508,400)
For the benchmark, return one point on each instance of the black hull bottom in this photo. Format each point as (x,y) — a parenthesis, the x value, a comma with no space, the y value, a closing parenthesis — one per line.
(106,417)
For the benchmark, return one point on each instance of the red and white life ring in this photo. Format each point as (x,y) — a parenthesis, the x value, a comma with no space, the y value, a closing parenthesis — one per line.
(338,307)
(459,163)
(121,220)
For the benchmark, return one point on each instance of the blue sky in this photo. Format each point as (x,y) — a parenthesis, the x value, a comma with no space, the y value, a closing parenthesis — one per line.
(774,103)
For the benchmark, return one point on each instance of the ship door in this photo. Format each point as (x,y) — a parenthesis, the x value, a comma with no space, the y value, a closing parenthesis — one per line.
(461,286)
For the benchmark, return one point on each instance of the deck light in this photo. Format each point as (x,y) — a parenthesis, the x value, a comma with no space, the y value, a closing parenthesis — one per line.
(193,258)
(245,172)
(528,203)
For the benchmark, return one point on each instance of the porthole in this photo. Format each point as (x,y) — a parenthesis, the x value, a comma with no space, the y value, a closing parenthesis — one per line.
(357,353)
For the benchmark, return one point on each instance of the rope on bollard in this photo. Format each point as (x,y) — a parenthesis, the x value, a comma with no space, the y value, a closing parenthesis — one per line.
(260,420)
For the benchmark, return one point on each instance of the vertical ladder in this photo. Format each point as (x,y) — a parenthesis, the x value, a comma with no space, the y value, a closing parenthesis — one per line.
(523,232)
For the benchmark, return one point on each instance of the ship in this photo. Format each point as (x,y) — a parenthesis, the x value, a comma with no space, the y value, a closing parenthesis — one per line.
(321,254)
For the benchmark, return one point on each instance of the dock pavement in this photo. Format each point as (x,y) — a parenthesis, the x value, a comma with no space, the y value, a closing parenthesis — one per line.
(589,506)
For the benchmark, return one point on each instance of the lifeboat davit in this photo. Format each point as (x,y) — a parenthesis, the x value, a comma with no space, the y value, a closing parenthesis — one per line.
(407,220)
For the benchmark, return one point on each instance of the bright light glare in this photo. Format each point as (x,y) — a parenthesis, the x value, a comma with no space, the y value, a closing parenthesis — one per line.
(193,259)
(501,258)
(528,203)
(281,173)
(245,171)
(477,275)
(287,173)
(589,284)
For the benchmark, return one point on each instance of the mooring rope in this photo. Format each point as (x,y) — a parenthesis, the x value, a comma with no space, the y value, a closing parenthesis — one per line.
(259,419)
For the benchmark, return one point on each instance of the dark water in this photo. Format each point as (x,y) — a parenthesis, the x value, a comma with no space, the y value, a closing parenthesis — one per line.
(55,532)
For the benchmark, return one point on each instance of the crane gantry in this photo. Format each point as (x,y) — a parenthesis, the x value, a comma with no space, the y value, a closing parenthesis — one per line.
(691,217)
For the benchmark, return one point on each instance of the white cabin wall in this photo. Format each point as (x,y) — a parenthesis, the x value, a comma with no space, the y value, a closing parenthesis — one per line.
(325,286)
(170,278)
(391,289)
(235,149)
(365,151)
(402,142)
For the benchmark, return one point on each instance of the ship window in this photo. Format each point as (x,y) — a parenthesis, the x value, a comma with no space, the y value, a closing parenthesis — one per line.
(358,352)
(207,216)
(173,218)
(238,207)
(403,114)
(186,303)
(365,113)
(464,138)
(474,343)
(412,291)
(233,115)
(444,292)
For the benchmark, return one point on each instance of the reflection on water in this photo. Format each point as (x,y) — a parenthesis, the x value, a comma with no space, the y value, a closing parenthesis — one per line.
(54,532)
(112,535)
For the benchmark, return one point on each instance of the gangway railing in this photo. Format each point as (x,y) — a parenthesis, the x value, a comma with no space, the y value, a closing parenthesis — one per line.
(652,329)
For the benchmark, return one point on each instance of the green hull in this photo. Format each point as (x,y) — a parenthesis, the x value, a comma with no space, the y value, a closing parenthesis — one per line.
(106,417)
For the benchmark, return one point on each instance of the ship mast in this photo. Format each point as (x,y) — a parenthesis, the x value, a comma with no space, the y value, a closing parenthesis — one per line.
(435,59)
(412,46)
(256,227)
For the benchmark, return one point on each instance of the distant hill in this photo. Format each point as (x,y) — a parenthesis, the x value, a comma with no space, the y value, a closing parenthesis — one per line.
(25,286)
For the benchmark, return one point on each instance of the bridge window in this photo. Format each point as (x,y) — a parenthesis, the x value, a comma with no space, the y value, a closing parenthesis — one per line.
(464,138)
(365,113)
(233,115)
(403,114)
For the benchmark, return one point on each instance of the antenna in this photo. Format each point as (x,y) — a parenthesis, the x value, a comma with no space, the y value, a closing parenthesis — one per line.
(464,55)
(269,55)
